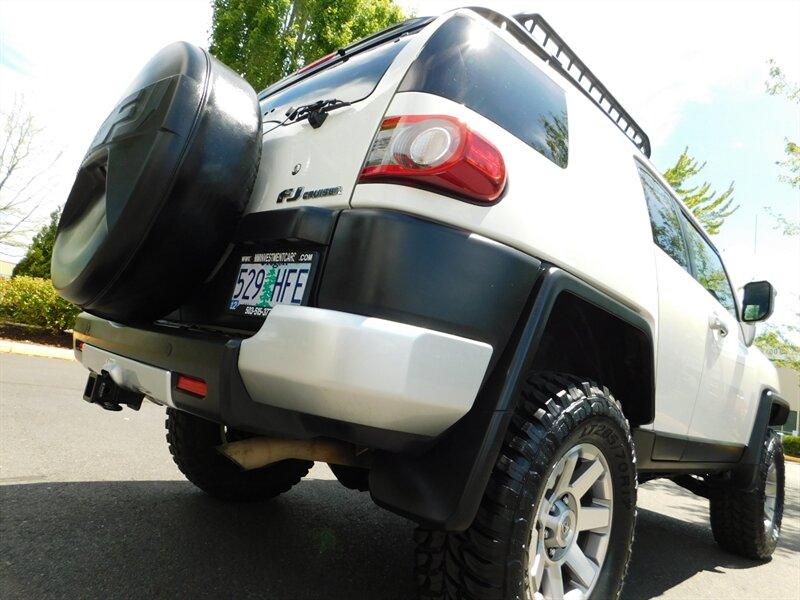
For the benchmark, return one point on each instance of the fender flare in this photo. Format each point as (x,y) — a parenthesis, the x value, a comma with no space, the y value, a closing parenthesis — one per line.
(443,487)
(772,410)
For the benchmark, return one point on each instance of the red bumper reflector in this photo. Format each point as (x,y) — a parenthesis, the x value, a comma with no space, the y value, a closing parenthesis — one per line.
(195,386)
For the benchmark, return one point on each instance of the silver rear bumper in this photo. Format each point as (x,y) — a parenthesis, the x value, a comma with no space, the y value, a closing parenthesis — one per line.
(340,366)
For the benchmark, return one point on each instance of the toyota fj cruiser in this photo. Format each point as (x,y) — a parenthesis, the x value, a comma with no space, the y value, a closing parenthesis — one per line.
(440,261)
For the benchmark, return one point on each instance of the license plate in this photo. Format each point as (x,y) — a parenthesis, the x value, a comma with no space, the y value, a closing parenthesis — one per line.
(266,279)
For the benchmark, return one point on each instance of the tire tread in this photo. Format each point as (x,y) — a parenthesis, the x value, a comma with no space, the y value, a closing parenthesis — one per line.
(193,444)
(476,564)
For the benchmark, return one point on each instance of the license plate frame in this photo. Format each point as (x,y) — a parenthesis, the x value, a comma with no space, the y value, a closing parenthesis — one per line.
(260,275)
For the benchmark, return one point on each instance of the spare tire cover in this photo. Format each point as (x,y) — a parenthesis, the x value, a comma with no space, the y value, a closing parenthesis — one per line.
(160,191)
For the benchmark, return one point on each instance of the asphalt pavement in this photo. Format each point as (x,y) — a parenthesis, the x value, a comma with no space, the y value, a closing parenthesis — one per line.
(91,506)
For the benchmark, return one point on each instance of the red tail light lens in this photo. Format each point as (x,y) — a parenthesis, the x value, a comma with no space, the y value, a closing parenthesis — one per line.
(195,386)
(436,152)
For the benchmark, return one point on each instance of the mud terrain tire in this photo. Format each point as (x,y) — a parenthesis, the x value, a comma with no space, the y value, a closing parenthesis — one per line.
(558,513)
(193,444)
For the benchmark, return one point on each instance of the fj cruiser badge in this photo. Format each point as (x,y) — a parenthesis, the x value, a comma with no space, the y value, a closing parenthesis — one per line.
(293,194)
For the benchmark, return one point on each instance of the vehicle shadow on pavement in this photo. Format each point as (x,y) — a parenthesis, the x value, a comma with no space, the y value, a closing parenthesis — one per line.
(165,539)
(668,551)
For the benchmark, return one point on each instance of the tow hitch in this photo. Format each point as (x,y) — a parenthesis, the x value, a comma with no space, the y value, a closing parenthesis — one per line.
(101,389)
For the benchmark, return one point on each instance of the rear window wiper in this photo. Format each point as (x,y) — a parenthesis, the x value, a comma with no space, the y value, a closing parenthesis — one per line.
(316,112)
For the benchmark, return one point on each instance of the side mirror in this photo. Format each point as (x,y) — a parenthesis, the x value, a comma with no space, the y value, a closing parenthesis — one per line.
(758,302)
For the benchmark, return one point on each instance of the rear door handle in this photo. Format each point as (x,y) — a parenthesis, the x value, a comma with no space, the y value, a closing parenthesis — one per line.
(715,323)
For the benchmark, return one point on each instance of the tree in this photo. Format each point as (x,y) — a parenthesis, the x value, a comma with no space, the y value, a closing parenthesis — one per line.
(265,40)
(711,210)
(36,262)
(779,348)
(20,193)
(779,86)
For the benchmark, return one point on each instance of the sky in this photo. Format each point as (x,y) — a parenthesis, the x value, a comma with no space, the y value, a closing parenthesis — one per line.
(691,73)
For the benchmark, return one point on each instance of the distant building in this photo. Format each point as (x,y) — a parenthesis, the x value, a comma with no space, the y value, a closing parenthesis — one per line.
(790,391)
(6,268)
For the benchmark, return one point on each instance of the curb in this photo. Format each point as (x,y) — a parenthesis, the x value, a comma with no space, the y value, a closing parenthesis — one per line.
(793,459)
(10,347)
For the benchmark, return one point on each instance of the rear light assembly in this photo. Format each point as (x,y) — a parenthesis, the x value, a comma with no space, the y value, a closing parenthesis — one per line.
(436,152)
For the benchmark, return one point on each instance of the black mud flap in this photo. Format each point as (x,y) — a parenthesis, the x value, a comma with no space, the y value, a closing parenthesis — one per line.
(101,389)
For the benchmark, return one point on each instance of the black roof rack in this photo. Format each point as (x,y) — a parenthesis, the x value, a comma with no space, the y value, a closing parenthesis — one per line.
(564,60)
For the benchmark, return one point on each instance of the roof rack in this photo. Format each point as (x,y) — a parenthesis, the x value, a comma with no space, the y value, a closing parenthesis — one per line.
(564,60)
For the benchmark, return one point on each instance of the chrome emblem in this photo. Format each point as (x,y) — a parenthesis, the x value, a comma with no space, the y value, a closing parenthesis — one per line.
(294,194)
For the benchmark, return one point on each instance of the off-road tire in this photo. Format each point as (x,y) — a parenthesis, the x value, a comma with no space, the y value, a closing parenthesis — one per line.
(738,517)
(193,444)
(555,414)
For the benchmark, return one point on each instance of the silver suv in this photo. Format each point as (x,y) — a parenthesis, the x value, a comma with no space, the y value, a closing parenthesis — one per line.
(440,261)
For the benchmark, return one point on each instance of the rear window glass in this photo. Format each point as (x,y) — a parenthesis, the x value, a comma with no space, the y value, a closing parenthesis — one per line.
(351,80)
(468,63)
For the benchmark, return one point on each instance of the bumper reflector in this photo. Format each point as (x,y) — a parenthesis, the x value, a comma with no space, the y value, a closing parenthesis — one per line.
(195,386)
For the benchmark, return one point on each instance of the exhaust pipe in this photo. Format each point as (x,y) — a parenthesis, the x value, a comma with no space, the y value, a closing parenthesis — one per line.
(257,452)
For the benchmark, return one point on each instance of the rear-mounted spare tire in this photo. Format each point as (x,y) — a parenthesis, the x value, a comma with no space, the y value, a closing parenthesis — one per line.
(161,189)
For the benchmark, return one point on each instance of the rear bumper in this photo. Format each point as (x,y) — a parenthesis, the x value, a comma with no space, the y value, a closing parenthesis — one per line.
(363,371)
(407,346)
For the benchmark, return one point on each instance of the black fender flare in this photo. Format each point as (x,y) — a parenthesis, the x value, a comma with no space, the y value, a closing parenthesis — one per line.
(443,487)
(772,410)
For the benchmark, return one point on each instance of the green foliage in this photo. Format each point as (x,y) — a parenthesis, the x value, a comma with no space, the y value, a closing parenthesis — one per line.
(791,445)
(784,225)
(34,301)
(779,86)
(555,129)
(778,348)
(36,262)
(711,210)
(265,40)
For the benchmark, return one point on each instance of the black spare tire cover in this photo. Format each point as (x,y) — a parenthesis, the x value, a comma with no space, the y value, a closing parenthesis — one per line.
(161,189)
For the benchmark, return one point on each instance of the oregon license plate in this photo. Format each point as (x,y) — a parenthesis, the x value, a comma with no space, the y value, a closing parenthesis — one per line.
(266,279)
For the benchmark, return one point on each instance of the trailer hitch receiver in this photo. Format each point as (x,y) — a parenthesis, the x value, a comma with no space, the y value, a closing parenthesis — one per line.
(101,389)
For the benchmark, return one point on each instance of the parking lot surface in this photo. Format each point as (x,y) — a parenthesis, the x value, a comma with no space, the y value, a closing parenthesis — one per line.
(91,506)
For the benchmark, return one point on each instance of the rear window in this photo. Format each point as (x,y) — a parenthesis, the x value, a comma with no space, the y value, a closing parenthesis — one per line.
(468,63)
(350,80)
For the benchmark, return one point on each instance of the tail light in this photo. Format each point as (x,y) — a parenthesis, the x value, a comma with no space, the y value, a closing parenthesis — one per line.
(436,152)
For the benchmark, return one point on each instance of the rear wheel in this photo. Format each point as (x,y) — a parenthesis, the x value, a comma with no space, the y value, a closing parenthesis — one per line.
(193,444)
(749,523)
(558,513)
